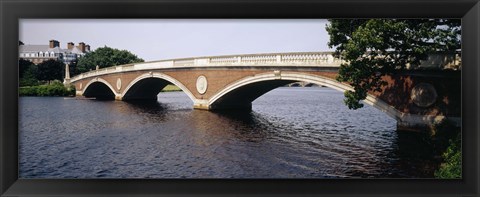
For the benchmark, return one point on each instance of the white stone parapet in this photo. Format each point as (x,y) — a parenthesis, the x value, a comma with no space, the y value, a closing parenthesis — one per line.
(307,59)
(310,59)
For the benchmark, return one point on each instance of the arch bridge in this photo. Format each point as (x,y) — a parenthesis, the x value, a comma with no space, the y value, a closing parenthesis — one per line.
(416,99)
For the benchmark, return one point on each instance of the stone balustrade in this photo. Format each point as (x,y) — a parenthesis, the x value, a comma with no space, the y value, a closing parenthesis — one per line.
(324,59)
(307,59)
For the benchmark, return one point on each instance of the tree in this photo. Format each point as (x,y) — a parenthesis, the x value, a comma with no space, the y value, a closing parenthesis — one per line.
(376,47)
(105,57)
(73,68)
(23,66)
(27,72)
(50,70)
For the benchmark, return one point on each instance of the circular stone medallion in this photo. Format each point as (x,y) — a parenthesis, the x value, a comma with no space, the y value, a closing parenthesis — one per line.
(423,95)
(201,84)
(119,83)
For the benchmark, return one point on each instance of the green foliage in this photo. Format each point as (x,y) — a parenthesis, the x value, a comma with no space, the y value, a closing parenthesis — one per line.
(73,68)
(375,47)
(23,66)
(452,165)
(27,91)
(105,57)
(28,82)
(50,70)
(171,88)
(56,88)
(27,73)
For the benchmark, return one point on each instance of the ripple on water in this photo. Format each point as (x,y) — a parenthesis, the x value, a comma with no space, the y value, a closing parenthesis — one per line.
(290,133)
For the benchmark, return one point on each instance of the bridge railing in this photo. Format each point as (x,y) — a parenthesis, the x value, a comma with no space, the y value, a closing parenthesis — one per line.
(320,59)
(273,59)
(324,59)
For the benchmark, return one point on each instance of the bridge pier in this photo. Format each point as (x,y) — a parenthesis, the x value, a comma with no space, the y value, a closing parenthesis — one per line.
(410,122)
(201,104)
(413,126)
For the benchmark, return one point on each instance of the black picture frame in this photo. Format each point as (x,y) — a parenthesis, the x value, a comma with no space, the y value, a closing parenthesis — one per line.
(11,11)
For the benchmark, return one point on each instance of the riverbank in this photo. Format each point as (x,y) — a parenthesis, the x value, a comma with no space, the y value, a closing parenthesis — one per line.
(171,88)
(58,89)
(53,89)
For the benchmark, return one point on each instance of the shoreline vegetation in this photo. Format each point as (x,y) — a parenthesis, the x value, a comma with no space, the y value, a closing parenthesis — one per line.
(171,88)
(447,142)
(451,165)
(56,88)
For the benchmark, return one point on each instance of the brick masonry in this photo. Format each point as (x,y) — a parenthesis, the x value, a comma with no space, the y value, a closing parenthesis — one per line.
(396,93)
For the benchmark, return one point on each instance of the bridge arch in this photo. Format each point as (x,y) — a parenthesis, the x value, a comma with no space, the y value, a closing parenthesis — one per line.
(148,85)
(100,89)
(273,80)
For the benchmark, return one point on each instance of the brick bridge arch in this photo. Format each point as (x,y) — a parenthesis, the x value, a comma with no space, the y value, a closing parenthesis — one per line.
(263,83)
(148,85)
(99,88)
(144,87)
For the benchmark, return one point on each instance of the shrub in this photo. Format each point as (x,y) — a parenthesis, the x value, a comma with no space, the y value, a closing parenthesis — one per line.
(56,88)
(27,91)
(452,161)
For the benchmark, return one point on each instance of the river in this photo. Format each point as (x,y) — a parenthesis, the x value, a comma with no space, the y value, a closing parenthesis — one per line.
(290,133)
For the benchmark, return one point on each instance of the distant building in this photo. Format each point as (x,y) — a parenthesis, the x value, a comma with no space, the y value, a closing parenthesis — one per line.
(40,53)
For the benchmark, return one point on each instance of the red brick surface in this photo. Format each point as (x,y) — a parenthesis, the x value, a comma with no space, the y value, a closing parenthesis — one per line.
(396,93)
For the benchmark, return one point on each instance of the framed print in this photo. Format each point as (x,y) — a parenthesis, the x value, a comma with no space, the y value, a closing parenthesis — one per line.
(367,98)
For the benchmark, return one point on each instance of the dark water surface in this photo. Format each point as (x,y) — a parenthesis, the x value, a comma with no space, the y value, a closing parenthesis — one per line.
(290,133)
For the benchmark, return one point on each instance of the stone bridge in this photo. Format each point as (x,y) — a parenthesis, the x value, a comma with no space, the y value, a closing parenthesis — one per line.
(416,99)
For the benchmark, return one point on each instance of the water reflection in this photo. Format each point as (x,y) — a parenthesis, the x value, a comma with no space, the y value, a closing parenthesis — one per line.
(290,133)
(416,153)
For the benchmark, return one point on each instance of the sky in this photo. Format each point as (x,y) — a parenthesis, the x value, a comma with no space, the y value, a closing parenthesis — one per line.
(158,39)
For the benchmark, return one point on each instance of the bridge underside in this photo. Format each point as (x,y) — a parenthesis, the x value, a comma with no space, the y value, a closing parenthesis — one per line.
(145,89)
(99,91)
(242,97)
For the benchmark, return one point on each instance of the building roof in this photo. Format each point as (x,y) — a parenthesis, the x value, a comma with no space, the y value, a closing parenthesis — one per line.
(38,48)
(33,48)
(76,50)
(46,48)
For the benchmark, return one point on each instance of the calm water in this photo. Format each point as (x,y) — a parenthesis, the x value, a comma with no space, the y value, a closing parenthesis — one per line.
(290,133)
